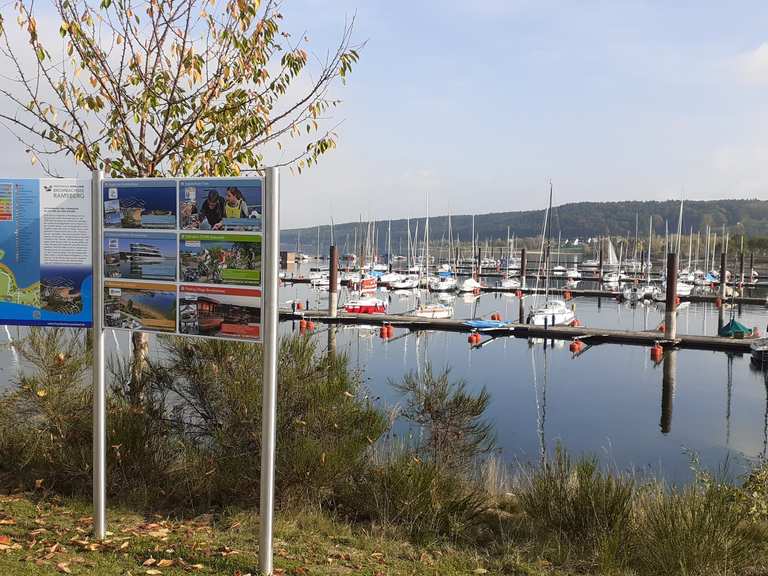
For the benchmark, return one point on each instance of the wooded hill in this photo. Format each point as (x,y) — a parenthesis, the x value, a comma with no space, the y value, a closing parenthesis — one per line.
(575,220)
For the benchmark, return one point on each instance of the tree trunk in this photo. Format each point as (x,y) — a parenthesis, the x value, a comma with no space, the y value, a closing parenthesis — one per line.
(140,342)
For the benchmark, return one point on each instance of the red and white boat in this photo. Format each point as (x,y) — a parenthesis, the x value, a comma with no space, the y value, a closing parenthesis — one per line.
(366,306)
(368,283)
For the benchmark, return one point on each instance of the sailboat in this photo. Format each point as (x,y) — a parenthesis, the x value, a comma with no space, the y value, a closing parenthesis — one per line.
(509,283)
(637,293)
(554,311)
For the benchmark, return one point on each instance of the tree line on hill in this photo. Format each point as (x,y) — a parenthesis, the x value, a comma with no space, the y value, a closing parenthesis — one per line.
(576,220)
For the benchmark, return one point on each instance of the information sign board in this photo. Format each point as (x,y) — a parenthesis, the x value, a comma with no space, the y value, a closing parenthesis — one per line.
(183,256)
(46,276)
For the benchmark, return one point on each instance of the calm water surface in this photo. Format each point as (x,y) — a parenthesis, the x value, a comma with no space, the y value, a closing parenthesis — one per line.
(612,401)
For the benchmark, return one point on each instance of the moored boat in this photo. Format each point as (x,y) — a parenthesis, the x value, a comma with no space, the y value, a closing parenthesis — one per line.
(366,306)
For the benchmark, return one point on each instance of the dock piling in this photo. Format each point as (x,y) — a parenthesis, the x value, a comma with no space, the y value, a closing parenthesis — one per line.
(670,307)
(723,279)
(333,287)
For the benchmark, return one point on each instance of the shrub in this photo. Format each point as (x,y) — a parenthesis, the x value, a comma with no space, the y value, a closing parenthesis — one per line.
(692,530)
(578,501)
(193,437)
(455,433)
(416,495)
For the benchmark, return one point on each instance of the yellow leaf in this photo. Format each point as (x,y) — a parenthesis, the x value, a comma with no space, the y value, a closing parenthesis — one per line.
(164,563)
(42,393)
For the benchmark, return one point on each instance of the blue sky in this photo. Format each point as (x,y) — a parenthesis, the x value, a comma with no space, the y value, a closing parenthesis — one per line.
(480,103)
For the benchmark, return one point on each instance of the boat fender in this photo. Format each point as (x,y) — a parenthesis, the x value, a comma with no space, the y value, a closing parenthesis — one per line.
(302,324)
(311,326)
(718,302)
(657,352)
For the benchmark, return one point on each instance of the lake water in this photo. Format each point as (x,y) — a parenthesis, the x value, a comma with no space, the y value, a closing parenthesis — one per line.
(612,401)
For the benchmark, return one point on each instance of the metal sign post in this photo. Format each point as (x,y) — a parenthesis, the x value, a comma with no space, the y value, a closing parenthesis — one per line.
(269,319)
(99,386)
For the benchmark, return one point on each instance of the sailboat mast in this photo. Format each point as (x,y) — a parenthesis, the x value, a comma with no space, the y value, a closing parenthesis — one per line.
(548,232)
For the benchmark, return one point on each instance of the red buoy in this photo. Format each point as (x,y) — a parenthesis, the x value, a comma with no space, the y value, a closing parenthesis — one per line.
(576,346)
(310,326)
(657,352)
(302,324)
(299,306)
(662,327)
(677,300)
(519,293)
(471,338)
(567,295)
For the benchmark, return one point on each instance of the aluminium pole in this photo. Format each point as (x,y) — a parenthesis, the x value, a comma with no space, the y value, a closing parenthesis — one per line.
(269,318)
(99,386)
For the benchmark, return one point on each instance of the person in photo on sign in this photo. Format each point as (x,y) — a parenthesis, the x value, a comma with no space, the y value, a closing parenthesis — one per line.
(212,211)
(236,206)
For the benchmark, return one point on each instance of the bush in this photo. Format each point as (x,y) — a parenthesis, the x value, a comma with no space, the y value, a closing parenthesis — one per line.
(45,420)
(695,530)
(193,437)
(417,496)
(578,501)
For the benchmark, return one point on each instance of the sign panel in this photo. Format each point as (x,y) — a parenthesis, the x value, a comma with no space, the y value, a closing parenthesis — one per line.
(46,276)
(184,256)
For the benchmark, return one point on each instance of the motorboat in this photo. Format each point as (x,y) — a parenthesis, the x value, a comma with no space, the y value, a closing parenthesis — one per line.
(390,277)
(351,277)
(407,283)
(636,293)
(553,313)
(434,311)
(559,270)
(759,351)
(470,285)
(443,283)
(367,305)
(510,283)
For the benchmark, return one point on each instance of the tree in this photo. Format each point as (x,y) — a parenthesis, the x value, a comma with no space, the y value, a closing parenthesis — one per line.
(170,88)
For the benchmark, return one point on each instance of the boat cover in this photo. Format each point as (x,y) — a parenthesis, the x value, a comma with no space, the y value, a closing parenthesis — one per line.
(485,324)
(734,329)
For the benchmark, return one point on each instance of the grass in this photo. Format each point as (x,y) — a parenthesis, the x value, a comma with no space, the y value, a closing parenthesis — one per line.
(52,537)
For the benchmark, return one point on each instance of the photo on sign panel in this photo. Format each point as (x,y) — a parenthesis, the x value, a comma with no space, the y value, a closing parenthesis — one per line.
(140,306)
(228,204)
(220,258)
(61,288)
(140,256)
(143,204)
(220,312)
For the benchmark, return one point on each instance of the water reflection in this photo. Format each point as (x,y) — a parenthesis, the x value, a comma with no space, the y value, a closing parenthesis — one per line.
(668,390)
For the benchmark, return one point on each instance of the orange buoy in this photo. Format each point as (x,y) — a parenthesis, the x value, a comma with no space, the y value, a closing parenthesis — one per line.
(575,323)
(477,338)
(657,352)
(310,326)
(677,300)
(299,306)
(567,295)
(519,293)
(390,330)
(302,324)
(476,291)
(718,302)
(471,338)
(575,346)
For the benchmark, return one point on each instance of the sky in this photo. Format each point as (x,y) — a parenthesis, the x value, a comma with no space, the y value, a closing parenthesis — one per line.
(478,104)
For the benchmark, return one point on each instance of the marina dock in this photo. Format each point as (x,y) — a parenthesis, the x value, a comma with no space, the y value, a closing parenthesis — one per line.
(516,330)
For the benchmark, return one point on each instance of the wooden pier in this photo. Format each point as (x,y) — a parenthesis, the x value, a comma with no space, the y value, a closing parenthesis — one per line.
(516,330)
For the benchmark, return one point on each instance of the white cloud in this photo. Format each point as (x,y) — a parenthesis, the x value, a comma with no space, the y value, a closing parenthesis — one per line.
(752,66)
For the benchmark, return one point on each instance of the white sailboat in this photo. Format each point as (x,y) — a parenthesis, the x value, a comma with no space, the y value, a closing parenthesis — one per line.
(554,312)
